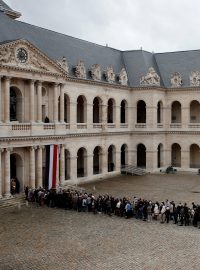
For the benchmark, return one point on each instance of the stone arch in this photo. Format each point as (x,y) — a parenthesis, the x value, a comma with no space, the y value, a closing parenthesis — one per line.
(141,155)
(141,111)
(67,165)
(194,111)
(81,162)
(66,108)
(16,104)
(111,111)
(97,160)
(176,112)
(160,112)
(81,109)
(17,171)
(124,154)
(124,112)
(176,155)
(97,110)
(194,156)
(160,156)
(111,158)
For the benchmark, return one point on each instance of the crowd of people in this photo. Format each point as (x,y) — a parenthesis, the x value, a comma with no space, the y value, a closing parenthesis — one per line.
(146,210)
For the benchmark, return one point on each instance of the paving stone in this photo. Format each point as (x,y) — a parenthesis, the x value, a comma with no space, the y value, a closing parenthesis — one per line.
(35,238)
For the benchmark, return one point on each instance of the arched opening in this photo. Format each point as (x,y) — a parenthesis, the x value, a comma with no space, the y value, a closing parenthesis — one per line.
(97,110)
(176,112)
(141,112)
(124,155)
(123,113)
(15,104)
(81,162)
(111,158)
(160,112)
(66,108)
(16,173)
(160,155)
(194,112)
(141,155)
(97,160)
(176,155)
(194,156)
(111,111)
(81,110)
(67,165)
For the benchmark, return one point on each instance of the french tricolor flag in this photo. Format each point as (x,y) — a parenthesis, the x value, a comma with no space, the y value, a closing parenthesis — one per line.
(51,166)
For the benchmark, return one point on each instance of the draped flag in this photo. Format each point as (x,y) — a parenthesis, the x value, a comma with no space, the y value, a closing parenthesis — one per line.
(51,166)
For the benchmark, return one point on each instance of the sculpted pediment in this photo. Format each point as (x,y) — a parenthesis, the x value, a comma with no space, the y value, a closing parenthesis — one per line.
(151,79)
(123,78)
(195,78)
(24,55)
(110,75)
(96,72)
(176,79)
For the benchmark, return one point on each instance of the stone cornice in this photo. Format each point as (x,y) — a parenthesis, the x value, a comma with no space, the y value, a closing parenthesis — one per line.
(101,134)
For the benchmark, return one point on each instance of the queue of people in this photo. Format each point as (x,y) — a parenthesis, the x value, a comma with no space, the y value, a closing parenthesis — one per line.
(146,210)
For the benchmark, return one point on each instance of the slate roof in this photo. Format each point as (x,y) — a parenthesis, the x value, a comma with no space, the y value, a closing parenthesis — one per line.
(5,6)
(136,63)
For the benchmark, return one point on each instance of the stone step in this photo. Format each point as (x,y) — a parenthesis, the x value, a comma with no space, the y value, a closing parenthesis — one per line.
(133,170)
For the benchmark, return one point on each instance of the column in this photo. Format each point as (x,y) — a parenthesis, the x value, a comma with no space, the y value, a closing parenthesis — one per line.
(7,172)
(117,167)
(104,116)
(0,99)
(39,161)
(89,166)
(185,117)
(166,117)
(117,116)
(55,102)
(151,117)
(151,160)
(62,103)
(32,101)
(73,114)
(89,117)
(185,159)
(132,157)
(167,158)
(7,100)
(105,161)
(62,163)
(32,167)
(1,151)
(39,101)
(73,169)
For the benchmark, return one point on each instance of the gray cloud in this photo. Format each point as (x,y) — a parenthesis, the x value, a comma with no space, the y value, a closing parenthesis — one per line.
(154,25)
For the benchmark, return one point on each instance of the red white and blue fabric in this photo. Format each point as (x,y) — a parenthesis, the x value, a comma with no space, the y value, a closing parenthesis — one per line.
(51,166)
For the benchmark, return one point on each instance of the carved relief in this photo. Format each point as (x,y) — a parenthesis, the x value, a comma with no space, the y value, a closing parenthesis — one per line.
(151,78)
(63,64)
(36,63)
(195,78)
(96,72)
(6,55)
(123,78)
(110,75)
(176,80)
(80,70)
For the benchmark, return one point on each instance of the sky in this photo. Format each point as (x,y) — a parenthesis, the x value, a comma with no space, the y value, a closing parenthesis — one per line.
(153,25)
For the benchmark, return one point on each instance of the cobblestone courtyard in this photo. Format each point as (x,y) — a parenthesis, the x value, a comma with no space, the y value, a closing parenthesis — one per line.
(44,238)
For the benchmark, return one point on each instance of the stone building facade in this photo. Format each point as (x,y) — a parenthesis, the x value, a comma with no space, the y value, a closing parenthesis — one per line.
(103,108)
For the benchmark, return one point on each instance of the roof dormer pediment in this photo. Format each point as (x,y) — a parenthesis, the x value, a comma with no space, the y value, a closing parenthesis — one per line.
(21,54)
